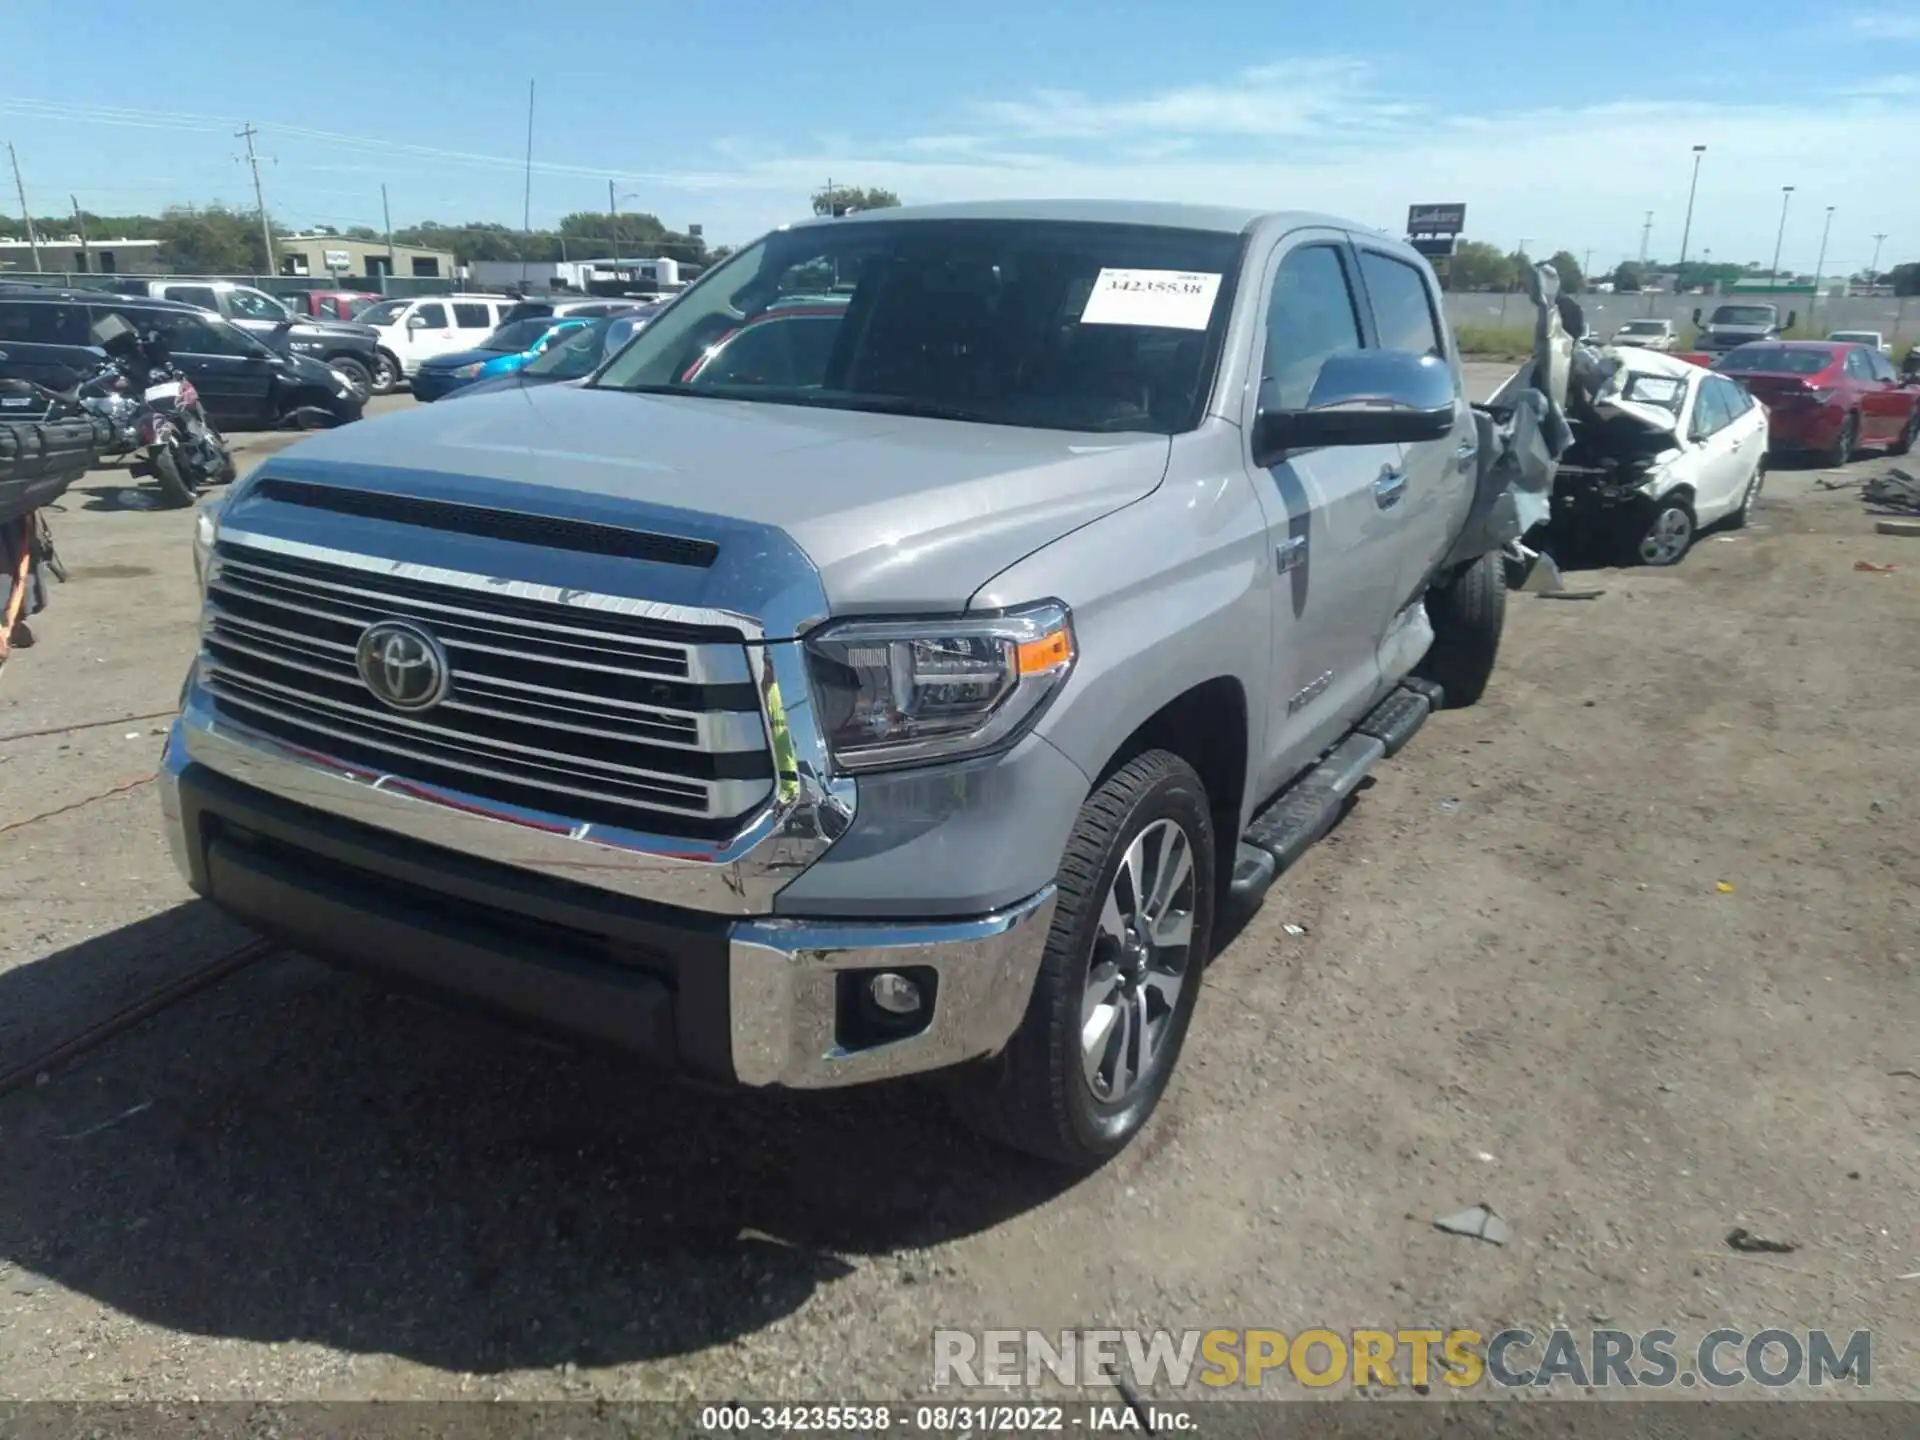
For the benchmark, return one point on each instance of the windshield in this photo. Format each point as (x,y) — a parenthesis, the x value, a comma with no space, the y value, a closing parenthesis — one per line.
(517,335)
(1056,325)
(384,313)
(1666,391)
(1644,327)
(1856,337)
(1743,315)
(356,308)
(1775,360)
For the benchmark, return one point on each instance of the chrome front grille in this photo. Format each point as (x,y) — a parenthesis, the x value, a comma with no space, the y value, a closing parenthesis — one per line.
(586,714)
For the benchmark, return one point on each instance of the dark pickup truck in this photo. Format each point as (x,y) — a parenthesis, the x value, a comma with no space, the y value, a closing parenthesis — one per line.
(353,350)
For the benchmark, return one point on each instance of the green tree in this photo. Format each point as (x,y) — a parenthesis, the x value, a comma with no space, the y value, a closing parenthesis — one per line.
(840,198)
(1906,278)
(1572,281)
(211,241)
(1628,277)
(1476,265)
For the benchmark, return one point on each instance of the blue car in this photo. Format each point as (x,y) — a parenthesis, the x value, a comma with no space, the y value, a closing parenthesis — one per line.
(573,356)
(505,352)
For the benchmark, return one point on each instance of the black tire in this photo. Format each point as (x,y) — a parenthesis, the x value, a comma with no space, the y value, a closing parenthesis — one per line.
(358,376)
(175,488)
(387,375)
(1468,614)
(1909,435)
(1036,1095)
(1738,520)
(1668,534)
(1845,443)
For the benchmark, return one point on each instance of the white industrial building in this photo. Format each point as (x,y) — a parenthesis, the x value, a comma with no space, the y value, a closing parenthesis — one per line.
(659,273)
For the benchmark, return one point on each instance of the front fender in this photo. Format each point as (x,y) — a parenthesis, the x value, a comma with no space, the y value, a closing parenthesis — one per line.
(1167,594)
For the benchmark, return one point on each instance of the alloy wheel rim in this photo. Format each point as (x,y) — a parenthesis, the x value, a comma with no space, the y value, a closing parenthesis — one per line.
(1668,537)
(1140,962)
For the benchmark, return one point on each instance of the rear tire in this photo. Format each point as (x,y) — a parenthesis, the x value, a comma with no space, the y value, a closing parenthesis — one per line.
(1111,958)
(1738,520)
(1468,615)
(1845,443)
(175,488)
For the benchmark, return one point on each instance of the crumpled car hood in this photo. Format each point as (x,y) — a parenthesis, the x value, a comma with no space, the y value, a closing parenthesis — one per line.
(1629,364)
(898,513)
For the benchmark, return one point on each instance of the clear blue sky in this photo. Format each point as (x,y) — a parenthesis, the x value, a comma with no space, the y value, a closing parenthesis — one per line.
(1560,132)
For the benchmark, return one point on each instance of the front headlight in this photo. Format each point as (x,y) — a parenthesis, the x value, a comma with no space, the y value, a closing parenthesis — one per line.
(909,692)
(467,372)
(206,532)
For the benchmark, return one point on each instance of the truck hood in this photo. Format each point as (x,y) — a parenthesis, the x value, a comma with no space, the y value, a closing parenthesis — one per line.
(305,329)
(898,513)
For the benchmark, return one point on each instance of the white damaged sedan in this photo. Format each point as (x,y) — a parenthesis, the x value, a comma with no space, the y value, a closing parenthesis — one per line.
(1661,449)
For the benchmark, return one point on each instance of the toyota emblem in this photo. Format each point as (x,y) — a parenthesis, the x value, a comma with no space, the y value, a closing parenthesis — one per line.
(402,665)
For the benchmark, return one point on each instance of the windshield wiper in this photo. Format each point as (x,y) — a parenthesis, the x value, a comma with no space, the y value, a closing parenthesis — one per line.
(901,405)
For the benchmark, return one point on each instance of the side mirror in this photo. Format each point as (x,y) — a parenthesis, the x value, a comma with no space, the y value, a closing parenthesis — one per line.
(1696,315)
(416,322)
(1363,397)
(1793,318)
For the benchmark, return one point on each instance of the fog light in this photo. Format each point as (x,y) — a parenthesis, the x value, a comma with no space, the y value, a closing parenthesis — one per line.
(895,994)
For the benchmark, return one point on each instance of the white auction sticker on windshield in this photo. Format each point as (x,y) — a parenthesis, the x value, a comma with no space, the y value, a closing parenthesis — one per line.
(1165,299)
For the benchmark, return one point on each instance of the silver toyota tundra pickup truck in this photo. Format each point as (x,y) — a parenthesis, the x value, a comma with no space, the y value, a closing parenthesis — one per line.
(895,659)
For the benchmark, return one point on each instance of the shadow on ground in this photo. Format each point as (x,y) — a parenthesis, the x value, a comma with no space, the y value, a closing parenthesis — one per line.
(320,1160)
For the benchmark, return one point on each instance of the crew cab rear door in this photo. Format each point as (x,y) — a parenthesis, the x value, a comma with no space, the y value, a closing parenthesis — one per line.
(1333,522)
(1439,474)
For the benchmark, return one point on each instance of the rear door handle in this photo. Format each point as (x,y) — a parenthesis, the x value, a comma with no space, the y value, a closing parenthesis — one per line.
(1388,489)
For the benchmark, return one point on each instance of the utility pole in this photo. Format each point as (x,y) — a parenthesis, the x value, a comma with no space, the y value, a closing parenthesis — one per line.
(259,196)
(526,211)
(1873,270)
(1646,234)
(1786,194)
(33,240)
(613,212)
(386,218)
(1820,264)
(1586,263)
(1686,231)
(80,229)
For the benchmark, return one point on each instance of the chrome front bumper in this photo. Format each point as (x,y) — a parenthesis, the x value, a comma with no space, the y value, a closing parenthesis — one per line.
(784,1005)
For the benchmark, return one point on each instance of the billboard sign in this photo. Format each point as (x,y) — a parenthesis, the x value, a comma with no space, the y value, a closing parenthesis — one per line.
(1436,219)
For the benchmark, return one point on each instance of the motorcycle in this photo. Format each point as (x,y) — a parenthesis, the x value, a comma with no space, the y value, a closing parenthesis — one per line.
(185,453)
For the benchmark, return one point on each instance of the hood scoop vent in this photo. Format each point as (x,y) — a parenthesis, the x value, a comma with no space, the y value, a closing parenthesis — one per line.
(543,530)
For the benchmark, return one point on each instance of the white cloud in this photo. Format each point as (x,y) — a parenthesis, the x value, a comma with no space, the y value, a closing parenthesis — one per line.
(1880,26)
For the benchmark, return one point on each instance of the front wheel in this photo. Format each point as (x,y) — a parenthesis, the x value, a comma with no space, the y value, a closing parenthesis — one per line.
(1669,533)
(1909,435)
(359,378)
(387,376)
(1118,981)
(174,485)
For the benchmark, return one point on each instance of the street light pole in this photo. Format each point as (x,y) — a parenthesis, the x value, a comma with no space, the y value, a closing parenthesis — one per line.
(1646,233)
(1786,194)
(1873,270)
(1820,264)
(1686,230)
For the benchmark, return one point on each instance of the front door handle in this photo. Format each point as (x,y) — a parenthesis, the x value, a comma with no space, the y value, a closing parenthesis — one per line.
(1290,553)
(1464,453)
(1388,489)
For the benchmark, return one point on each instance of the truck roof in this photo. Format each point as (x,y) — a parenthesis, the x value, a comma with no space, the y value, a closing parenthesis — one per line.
(1220,219)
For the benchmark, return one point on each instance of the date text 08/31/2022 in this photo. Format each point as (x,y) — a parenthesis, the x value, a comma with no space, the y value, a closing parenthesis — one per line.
(939,1419)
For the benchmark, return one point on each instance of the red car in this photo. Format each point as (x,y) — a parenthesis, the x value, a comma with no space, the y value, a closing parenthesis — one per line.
(328,304)
(1832,399)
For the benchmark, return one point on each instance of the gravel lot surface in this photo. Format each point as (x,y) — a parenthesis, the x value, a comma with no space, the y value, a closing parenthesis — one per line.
(1522,980)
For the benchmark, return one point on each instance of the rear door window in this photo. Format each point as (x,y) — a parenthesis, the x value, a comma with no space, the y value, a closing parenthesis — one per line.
(1857,366)
(1882,367)
(1710,414)
(34,324)
(1402,306)
(473,316)
(201,295)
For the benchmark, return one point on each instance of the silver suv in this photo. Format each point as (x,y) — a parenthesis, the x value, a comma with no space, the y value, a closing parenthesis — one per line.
(894,659)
